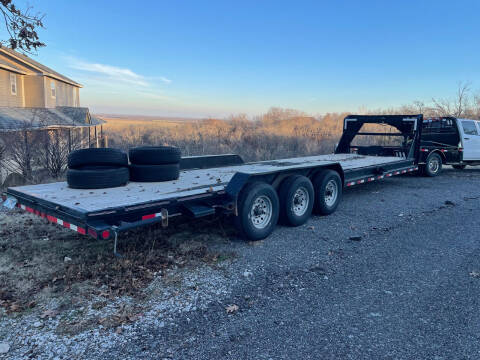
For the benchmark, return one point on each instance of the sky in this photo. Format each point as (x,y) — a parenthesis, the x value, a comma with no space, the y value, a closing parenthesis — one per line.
(215,58)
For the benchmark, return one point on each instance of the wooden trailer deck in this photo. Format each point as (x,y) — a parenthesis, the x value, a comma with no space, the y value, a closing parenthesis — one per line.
(191,182)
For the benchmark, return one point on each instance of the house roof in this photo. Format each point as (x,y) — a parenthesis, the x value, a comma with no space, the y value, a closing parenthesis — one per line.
(7,66)
(15,118)
(44,70)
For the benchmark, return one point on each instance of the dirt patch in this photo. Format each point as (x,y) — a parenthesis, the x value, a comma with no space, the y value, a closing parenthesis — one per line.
(42,262)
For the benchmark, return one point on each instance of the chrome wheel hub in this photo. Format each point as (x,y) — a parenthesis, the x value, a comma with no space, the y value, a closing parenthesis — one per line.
(261,212)
(300,202)
(433,165)
(331,193)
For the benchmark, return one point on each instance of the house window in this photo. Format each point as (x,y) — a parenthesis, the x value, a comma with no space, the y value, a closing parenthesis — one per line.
(52,88)
(13,84)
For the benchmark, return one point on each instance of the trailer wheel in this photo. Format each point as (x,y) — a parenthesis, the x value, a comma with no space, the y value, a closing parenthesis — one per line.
(296,200)
(328,192)
(258,211)
(97,156)
(433,165)
(459,167)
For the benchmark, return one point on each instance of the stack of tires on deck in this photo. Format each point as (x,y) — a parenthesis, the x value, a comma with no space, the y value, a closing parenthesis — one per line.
(106,167)
(97,168)
(154,163)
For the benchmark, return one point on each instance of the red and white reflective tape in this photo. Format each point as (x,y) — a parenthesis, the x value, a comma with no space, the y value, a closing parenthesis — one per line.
(151,216)
(53,219)
(379,177)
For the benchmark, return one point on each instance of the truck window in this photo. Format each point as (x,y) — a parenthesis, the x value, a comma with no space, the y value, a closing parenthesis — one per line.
(469,128)
(438,126)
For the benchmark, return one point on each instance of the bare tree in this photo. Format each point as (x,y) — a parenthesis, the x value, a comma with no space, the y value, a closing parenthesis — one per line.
(21,26)
(20,152)
(458,106)
(54,150)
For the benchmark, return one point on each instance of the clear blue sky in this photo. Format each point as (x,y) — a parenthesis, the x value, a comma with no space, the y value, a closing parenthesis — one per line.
(200,58)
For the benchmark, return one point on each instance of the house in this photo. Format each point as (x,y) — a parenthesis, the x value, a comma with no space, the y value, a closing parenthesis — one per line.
(33,96)
(40,113)
(25,82)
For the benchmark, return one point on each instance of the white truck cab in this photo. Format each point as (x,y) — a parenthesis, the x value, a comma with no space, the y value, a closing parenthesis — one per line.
(470,139)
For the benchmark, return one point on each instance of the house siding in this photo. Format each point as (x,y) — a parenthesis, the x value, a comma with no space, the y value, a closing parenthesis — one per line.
(34,91)
(33,88)
(63,93)
(6,97)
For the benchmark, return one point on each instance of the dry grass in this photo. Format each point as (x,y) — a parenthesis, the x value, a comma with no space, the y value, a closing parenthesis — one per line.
(33,269)
(278,134)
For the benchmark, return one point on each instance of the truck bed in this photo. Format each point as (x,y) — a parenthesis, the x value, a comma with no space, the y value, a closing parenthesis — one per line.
(191,182)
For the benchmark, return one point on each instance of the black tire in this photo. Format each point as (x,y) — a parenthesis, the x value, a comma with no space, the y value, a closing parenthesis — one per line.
(97,179)
(433,165)
(154,155)
(459,167)
(250,200)
(97,167)
(328,192)
(154,173)
(97,156)
(296,200)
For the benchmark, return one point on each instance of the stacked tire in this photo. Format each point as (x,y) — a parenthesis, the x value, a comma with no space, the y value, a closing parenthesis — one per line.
(97,168)
(154,163)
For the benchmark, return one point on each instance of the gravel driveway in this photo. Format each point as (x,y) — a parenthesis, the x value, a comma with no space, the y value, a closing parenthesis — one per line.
(393,274)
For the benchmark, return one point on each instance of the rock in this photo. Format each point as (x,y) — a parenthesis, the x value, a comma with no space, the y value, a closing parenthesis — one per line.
(247,273)
(4,348)
(67,259)
(355,238)
(37,324)
(449,203)
(318,269)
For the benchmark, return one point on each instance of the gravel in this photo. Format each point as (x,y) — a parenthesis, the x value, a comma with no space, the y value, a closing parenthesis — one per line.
(405,291)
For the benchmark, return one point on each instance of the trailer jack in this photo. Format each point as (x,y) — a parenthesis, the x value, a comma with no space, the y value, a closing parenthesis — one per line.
(115,241)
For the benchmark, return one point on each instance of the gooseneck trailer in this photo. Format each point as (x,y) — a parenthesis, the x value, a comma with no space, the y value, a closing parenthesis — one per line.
(258,194)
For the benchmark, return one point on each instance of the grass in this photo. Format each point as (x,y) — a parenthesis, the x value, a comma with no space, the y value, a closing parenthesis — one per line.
(33,270)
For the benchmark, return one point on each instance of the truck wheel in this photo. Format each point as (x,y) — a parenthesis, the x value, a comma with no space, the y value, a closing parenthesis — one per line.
(97,156)
(296,200)
(459,167)
(328,192)
(433,165)
(258,210)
